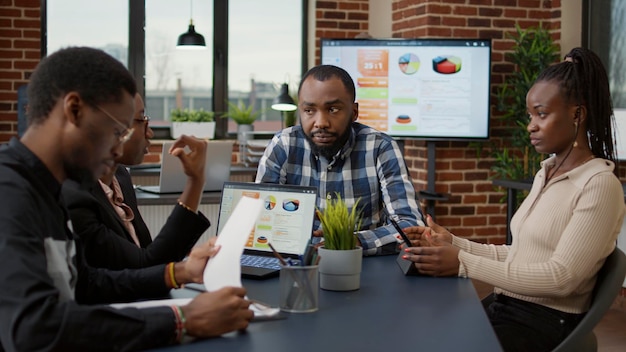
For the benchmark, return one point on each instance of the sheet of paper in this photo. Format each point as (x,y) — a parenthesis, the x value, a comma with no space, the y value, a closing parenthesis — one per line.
(224,269)
(261,311)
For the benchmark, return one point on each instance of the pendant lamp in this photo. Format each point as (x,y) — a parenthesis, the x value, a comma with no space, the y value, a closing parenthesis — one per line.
(284,102)
(191,39)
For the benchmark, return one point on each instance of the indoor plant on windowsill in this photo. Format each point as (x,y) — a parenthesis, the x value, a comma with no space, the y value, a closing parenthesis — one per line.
(197,123)
(340,257)
(244,115)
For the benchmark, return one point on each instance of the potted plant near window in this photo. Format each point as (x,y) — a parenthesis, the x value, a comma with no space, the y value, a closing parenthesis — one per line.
(244,115)
(340,257)
(198,123)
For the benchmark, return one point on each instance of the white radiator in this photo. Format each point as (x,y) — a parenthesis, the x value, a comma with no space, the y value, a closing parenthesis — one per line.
(156,215)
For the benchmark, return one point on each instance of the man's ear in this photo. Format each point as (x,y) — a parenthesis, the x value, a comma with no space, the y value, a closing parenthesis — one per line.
(73,107)
(355,109)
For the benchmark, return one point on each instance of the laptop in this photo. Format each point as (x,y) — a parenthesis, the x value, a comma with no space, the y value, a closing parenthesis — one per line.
(173,179)
(286,222)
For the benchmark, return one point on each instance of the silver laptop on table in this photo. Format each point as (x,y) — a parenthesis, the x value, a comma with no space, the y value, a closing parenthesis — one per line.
(286,222)
(173,179)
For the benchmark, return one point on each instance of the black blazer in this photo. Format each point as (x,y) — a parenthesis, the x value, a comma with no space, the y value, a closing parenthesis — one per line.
(107,243)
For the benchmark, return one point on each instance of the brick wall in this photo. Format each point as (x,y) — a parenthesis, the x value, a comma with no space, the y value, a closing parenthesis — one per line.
(19,54)
(339,19)
(474,208)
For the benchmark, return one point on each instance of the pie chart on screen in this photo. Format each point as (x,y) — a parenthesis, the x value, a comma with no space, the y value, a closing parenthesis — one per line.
(270,202)
(409,63)
(447,64)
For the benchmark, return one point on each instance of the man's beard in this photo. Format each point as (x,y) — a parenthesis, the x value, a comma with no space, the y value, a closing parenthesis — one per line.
(328,152)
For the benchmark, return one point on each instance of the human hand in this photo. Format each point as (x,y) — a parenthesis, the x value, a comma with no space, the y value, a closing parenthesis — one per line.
(416,233)
(192,269)
(438,232)
(215,313)
(438,259)
(194,161)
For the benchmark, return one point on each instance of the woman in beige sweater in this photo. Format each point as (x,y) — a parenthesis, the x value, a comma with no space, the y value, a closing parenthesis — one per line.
(564,229)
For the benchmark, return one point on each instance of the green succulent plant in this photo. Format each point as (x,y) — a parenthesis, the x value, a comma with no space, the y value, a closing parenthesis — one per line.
(339,224)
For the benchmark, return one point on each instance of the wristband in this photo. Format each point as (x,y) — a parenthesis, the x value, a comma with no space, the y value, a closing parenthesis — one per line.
(180,323)
(170,271)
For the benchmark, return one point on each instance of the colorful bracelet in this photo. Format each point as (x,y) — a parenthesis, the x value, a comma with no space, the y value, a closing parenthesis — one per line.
(180,323)
(170,270)
(186,206)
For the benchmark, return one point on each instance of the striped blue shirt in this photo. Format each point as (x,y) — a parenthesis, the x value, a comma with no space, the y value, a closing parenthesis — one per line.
(369,167)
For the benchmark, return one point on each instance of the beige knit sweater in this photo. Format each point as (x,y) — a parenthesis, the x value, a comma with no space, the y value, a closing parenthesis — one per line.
(562,233)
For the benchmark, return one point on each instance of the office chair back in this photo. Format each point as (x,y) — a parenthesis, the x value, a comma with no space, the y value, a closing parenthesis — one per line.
(608,285)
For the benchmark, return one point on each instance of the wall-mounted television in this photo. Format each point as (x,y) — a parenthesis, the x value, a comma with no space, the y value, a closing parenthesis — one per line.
(431,89)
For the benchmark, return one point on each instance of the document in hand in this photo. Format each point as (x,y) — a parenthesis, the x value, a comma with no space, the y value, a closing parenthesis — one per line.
(224,269)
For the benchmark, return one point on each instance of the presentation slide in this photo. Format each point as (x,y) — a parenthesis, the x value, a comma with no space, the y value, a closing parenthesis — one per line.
(410,88)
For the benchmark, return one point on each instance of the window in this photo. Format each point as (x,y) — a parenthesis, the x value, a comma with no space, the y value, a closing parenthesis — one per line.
(177,78)
(265,49)
(82,23)
(607,20)
(258,64)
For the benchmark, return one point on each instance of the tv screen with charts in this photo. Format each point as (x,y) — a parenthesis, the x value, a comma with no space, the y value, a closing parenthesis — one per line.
(432,89)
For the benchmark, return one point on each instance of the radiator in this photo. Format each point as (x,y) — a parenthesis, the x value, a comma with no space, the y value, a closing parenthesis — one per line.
(156,215)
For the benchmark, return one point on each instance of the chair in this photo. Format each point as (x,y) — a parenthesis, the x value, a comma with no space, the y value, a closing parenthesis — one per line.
(608,285)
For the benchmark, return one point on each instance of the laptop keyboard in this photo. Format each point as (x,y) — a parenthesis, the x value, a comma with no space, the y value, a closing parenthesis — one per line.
(260,262)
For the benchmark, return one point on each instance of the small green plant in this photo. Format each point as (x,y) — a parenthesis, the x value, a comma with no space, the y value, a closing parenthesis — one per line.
(240,113)
(533,51)
(339,224)
(189,115)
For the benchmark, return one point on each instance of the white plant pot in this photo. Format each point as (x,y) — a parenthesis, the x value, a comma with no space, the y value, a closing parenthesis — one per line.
(204,130)
(340,270)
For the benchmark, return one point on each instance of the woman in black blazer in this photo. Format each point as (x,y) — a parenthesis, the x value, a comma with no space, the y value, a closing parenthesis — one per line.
(102,234)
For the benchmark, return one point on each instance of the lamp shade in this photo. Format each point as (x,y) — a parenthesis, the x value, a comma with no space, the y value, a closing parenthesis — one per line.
(284,102)
(191,39)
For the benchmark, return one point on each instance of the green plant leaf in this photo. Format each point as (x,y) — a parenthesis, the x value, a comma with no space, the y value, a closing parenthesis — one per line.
(515,158)
(241,113)
(188,115)
(339,224)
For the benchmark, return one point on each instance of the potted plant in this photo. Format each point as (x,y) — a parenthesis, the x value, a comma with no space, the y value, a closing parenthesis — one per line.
(533,51)
(340,257)
(244,115)
(198,123)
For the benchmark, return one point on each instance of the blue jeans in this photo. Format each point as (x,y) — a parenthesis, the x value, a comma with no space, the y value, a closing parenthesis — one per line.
(524,326)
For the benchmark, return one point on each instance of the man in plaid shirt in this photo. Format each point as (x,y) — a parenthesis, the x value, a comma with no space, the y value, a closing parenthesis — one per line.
(333,152)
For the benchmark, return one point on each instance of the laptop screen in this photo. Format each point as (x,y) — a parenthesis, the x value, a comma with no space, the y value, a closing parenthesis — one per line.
(286,220)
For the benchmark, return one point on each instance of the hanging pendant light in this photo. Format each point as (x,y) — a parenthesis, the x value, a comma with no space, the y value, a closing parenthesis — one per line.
(191,39)
(284,102)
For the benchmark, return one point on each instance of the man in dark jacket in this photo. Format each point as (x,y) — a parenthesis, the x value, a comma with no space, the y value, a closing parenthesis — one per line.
(80,109)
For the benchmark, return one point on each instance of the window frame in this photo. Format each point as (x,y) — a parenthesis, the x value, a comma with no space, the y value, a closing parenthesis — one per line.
(137,51)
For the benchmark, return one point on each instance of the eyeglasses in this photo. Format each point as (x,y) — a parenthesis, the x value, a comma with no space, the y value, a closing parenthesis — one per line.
(124,136)
(145,120)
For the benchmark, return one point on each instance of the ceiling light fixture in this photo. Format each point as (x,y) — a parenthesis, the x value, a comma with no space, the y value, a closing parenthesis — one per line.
(191,39)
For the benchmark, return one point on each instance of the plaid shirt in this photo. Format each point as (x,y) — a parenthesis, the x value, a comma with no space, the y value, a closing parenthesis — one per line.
(370,167)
